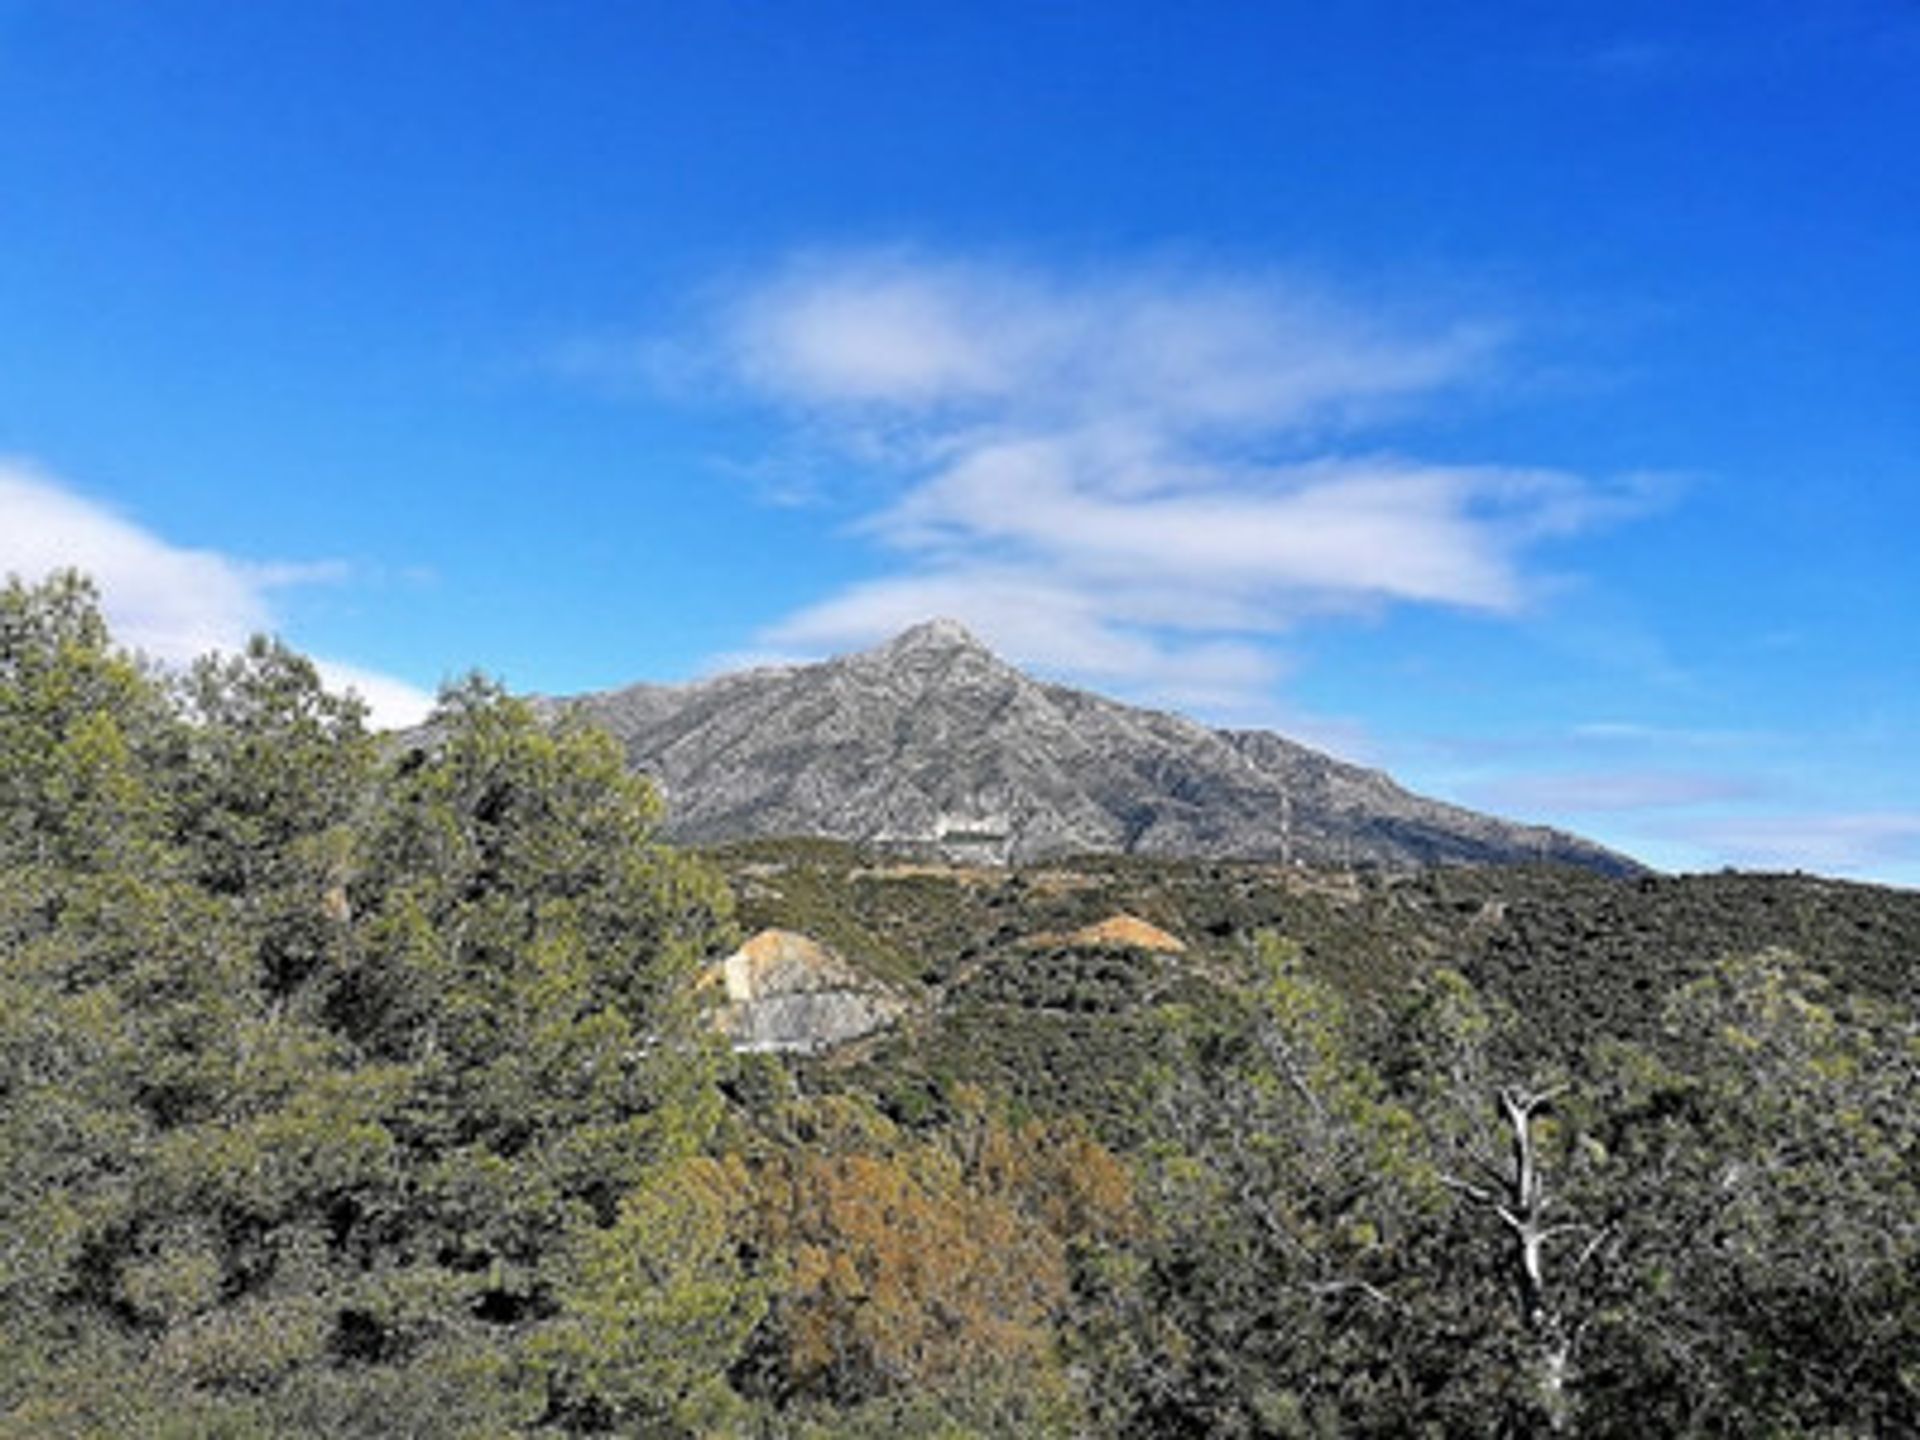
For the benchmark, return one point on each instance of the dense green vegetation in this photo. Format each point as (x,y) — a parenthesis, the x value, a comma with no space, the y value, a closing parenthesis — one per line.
(358,1088)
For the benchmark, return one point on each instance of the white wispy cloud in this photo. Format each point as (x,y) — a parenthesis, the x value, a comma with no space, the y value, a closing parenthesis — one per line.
(172,602)
(1142,476)
(1056,625)
(392,703)
(1172,350)
(1884,843)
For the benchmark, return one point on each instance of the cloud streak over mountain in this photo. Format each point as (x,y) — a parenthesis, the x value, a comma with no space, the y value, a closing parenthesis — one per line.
(1143,476)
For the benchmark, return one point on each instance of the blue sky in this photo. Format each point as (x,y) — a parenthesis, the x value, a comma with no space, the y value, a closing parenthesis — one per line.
(1524,399)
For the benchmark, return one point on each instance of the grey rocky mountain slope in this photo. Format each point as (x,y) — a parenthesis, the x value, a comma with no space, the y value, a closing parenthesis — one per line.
(932,742)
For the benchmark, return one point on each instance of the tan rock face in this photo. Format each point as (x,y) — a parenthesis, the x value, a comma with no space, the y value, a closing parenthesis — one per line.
(1127,932)
(784,962)
(786,991)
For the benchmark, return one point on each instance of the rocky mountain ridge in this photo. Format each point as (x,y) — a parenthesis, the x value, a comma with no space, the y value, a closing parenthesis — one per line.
(930,743)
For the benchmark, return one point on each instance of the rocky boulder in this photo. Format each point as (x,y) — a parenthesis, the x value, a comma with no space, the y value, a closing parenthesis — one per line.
(785,991)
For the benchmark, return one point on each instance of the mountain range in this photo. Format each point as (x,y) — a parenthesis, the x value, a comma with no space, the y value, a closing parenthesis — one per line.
(930,743)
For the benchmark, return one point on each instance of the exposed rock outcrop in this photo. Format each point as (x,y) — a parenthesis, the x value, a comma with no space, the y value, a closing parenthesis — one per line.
(785,991)
(1116,932)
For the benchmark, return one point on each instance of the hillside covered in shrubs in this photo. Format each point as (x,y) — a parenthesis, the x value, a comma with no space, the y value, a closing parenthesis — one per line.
(350,1088)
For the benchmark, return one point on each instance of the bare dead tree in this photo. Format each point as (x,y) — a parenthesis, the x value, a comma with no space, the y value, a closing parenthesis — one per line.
(1514,1190)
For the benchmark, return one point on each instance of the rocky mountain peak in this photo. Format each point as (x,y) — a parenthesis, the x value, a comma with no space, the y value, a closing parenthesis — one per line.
(938,635)
(932,743)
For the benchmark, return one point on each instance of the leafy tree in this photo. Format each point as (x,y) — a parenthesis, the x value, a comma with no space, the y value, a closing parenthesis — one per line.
(276,773)
(523,949)
(524,940)
(898,1272)
(923,1281)
(1295,1201)
(89,891)
(82,727)
(1763,1174)
(658,1306)
(317,1070)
